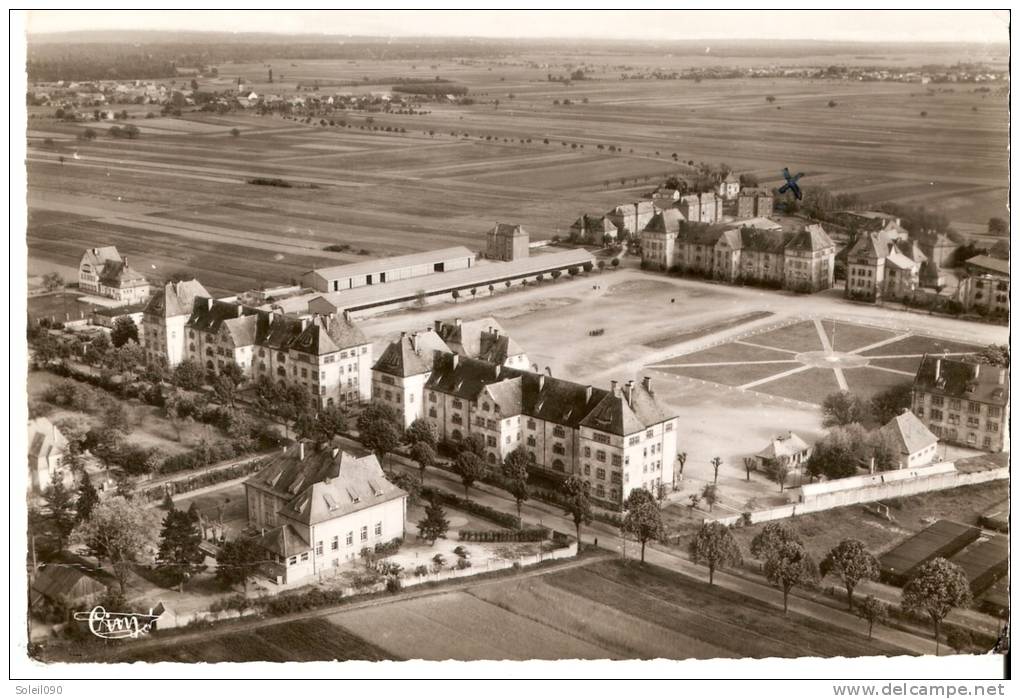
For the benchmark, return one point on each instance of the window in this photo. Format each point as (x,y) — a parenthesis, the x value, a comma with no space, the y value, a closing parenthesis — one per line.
(936,414)
(600,473)
(649,434)
(304,556)
(974,408)
(432,412)
(364,533)
(350,538)
(378,528)
(587,469)
(558,448)
(633,440)
(479,421)
(457,404)
(616,460)
(491,424)
(600,456)
(456,419)
(531,424)
(432,397)
(994,411)
(292,560)
(615,477)
(600,438)
(335,544)
(490,440)
(485,406)
(992,426)
(954,404)
(987,442)
(600,491)
(318,549)
(531,440)
(559,431)
(937,401)
(669,426)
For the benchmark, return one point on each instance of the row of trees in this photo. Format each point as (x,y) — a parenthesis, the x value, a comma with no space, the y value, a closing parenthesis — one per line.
(936,588)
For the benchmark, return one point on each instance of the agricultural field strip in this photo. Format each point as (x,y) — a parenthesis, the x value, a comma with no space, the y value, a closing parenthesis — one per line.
(682,618)
(99,166)
(591,621)
(464,624)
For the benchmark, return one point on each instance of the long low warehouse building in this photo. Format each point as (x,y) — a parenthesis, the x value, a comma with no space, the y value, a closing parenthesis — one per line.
(368,300)
(387,270)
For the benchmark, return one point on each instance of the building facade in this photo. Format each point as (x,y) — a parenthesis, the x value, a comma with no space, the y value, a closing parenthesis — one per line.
(507,242)
(317,509)
(917,444)
(963,402)
(388,269)
(326,354)
(729,188)
(882,266)
(163,320)
(752,202)
(46,449)
(630,219)
(594,230)
(104,272)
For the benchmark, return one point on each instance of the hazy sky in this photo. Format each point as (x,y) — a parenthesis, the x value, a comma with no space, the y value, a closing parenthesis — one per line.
(864,25)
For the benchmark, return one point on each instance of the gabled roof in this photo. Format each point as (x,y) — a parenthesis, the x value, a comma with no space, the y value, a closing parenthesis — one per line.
(869,246)
(812,239)
(44,439)
(731,179)
(404,357)
(483,338)
(910,433)
(66,583)
(665,221)
(963,379)
(899,260)
(506,395)
(118,273)
(175,299)
(508,229)
(773,242)
(285,541)
(990,263)
(595,224)
(788,444)
(99,256)
(325,484)
(389,263)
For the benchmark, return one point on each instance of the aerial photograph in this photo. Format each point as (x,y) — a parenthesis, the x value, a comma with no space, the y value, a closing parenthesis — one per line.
(511,336)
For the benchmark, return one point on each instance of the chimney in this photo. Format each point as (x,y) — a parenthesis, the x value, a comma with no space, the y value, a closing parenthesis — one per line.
(587,394)
(541,382)
(1002,377)
(304,323)
(977,371)
(455,360)
(938,369)
(124,260)
(240,310)
(347,316)
(336,450)
(209,303)
(629,392)
(457,322)
(612,388)
(437,325)
(301,451)
(646,382)
(414,341)
(497,370)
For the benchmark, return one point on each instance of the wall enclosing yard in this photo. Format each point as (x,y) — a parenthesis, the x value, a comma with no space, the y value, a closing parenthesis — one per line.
(171,619)
(817,497)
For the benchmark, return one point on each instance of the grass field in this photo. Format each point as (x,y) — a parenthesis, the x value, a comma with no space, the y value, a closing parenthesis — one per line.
(451,173)
(610,609)
(892,358)
(306,640)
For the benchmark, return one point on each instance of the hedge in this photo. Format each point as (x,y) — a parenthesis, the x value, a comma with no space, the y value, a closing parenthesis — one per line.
(201,480)
(519,535)
(503,519)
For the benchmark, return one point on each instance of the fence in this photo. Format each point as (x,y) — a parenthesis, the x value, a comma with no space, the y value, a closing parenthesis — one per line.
(880,486)
(171,619)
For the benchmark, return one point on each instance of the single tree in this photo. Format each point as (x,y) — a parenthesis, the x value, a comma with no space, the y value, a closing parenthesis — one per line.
(716,463)
(122,531)
(180,552)
(710,494)
(53,281)
(840,454)
(681,458)
(787,566)
(189,375)
(887,404)
(421,430)
(715,547)
(770,538)
(470,467)
(235,132)
(850,561)
(749,465)
(873,611)
(576,503)
(643,518)
(997,226)
(238,560)
(106,445)
(434,525)
(960,640)
(88,498)
(474,443)
(935,590)
(515,471)
(379,429)
(425,456)
(843,408)
(779,470)
(60,508)
(124,330)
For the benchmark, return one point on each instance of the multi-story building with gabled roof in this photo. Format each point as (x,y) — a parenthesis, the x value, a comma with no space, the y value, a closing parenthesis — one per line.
(327,354)
(614,440)
(963,402)
(315,510)
(163,321)
(103,271)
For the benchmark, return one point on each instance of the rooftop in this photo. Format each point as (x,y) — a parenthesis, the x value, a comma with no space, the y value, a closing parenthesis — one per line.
(387,263)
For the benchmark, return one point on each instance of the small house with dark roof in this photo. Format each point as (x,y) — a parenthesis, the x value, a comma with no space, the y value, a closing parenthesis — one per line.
(65,587)
(729,187)
(916,442)
(104,272)
(787,449)
(316,509)
(963,402)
